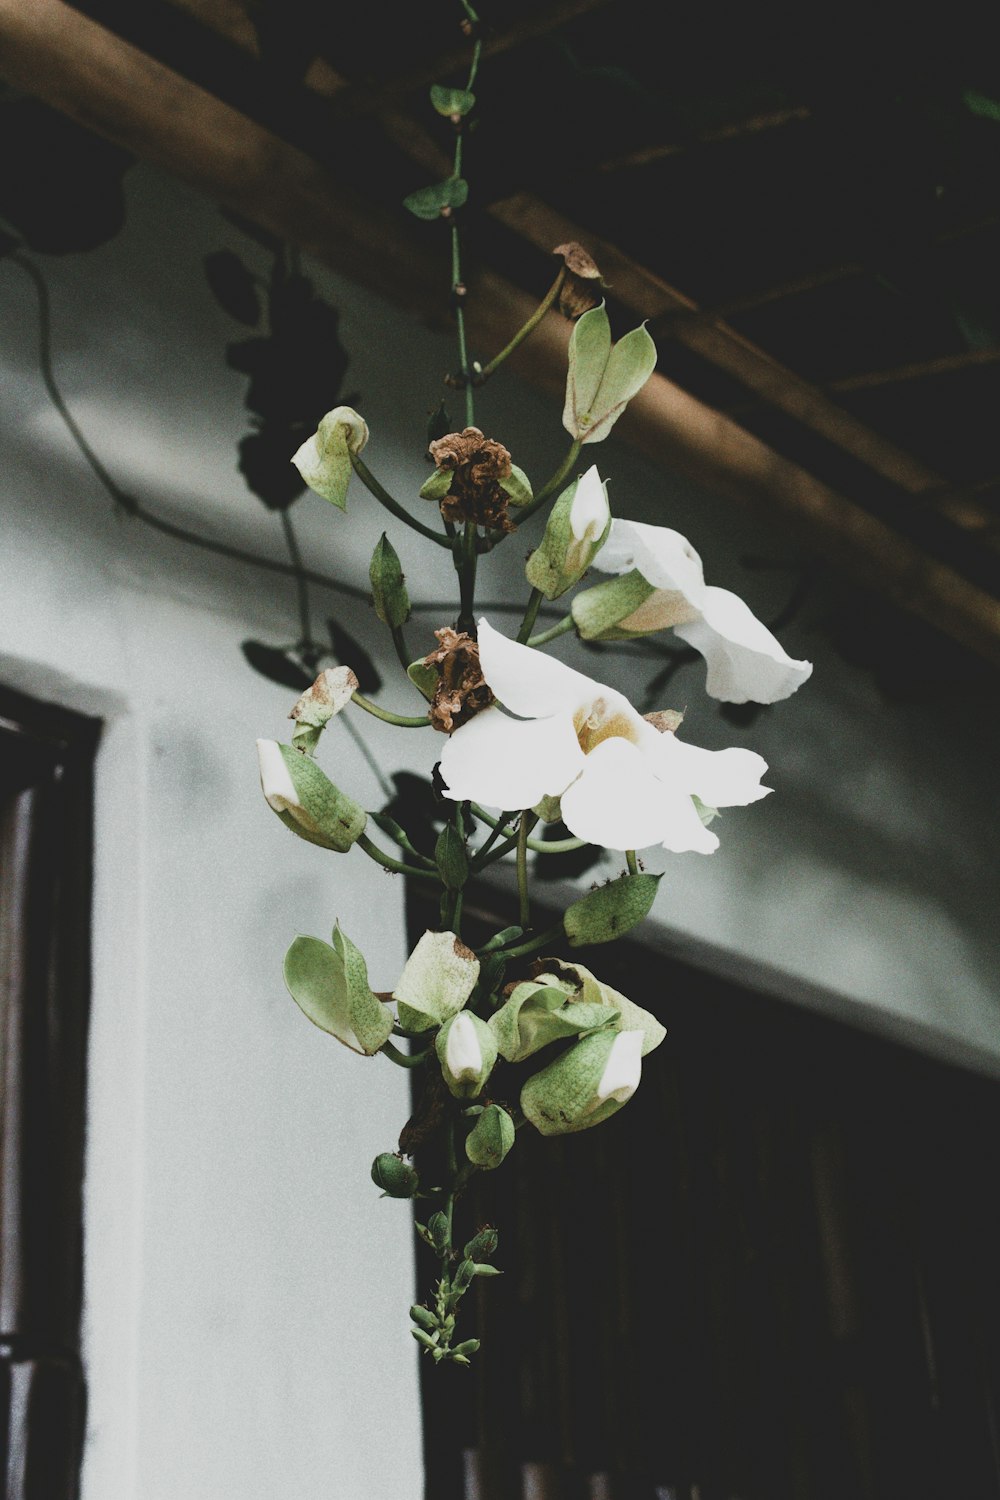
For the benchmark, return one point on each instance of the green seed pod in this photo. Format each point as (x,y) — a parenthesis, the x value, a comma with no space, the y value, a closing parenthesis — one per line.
(394,1176)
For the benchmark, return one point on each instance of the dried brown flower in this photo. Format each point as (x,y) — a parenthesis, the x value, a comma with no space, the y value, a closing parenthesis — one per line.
(578,293)
(477,465)
(461,691)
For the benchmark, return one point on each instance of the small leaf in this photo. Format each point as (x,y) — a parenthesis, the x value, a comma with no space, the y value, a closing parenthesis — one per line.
(611,910)
(276,665)
(427,203)
(437,486)
(392,603)
(450,102)
(233,286)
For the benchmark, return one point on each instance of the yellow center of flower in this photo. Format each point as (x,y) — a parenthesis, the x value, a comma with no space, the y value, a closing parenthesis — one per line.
(601,720)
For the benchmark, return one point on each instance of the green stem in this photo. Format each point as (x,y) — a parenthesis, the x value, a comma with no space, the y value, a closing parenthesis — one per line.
(540,846)
(561,627)
(465,561)
(551,485)
(523,332)
(523,902)
(399,642)
(393,506)
(388,863)
(631,861)
(402,721)
(405,1059)
(550,935)
(498,825)
(530,615)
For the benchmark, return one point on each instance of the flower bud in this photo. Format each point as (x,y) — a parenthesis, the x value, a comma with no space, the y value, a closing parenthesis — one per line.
(392,603)
(396,1177)
(306,800)
(437,979)
(324,460)
(466,1051)
(330,986)
(577,527)
(482,1244)
(330,693)
(627,607)
(490,1138)
(586,1085)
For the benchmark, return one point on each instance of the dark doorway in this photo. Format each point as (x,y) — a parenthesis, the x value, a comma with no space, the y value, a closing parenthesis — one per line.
(46,813)
(774,1276)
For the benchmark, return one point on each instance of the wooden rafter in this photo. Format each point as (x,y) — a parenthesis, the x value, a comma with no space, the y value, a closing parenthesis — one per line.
(55,52)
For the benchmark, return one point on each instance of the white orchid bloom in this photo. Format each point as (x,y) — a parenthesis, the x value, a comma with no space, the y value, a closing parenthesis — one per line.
(745,661)
(622,783)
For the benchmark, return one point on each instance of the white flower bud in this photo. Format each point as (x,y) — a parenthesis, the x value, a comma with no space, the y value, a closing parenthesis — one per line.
(462,1054)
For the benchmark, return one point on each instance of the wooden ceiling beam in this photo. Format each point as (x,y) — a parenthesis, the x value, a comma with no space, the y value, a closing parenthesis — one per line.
(72,63)
(670,312)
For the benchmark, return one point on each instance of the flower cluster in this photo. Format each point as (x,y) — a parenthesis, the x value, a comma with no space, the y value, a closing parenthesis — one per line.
(505,1038)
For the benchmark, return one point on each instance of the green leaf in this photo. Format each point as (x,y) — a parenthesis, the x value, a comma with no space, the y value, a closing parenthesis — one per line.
(437,979)
(437,486)
(325,815)
(392,603)
(517,486)
(451,101)
(427,203)
(424,678)
(602,377)
(611,910)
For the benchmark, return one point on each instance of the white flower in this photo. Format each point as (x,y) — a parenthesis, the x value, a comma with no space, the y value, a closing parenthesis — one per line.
(622,784)
(745,661)
(463,1054)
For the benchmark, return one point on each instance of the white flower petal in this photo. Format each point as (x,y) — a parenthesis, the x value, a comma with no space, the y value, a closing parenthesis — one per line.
(510,763)
(665,559)
(721,778)
(589,512)
(619,802)
(275,778)
(623,1069)
(462,1052)
(745,661)
(307,459)
(529,682)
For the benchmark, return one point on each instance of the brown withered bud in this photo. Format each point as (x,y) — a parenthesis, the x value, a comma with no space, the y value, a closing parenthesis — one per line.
(461,692)
(477,465)
(665,720)
(579,291)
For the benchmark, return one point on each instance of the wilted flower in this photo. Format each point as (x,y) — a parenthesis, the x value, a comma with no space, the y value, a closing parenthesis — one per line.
(460,692)
(580,289)
(478,467)
(622,784)
(663,586)
(437,979)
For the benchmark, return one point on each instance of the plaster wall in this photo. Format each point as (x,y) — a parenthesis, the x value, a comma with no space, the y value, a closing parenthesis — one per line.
(246,1288)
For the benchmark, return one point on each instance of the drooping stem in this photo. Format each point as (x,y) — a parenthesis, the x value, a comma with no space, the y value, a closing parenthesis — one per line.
(525,331)
(393,506)
(561,627)
(395,865)
(530,615)
(402,721)
(551,485)
(399,642)
(405,1059)
(550,935)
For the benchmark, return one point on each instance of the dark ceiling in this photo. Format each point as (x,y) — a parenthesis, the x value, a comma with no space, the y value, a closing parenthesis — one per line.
(804,201)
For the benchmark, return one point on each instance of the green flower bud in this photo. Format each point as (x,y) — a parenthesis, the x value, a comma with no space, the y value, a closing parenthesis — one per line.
(603,377)
(392,603)
(490,1138)
(482,1245)
(517,486)
(611,910)
(330,986)
(628,606)
(577,529)
(424,1318)
(306,800)
(586,1084)
(394,1176)
(437,1228)
(437,486)
(324,460)
(438,978)
(467,1052)
(451,858)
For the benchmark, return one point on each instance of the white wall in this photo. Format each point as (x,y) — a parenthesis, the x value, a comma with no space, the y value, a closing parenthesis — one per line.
(246,1289)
